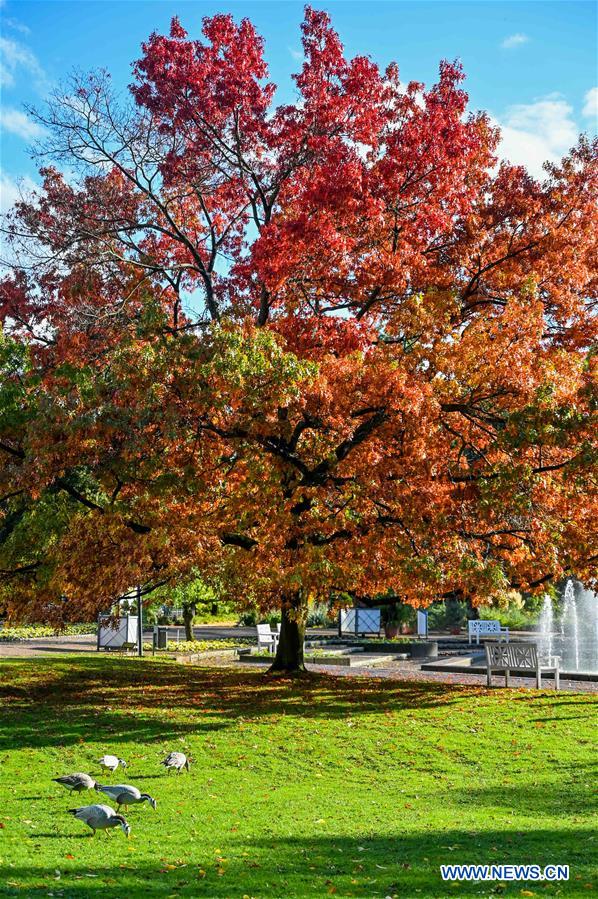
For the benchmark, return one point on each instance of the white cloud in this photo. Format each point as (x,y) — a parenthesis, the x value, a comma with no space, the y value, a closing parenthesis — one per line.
(16,25)
(533,133)
(590,108)
(514,40)
(13,189)
(18,123)
(15,56)
(296,54)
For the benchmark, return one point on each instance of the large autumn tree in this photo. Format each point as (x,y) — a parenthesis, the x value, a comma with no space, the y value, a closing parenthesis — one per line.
(314,349)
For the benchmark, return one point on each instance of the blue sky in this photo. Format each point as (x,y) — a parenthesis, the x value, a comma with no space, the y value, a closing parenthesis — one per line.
(531,65)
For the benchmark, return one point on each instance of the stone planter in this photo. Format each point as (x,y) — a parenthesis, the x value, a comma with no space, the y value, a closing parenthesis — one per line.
(421,650)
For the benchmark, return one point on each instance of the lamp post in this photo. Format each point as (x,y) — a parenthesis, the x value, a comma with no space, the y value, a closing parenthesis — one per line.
(139,622)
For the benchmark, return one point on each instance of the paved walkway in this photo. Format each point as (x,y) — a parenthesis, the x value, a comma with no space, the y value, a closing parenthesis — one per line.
(85,643)
(406,670)
(48,646)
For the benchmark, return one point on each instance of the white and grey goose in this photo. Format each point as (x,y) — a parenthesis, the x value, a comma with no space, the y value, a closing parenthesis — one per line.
(76,782)
(176,760)
(100,817)
(111,762)
(123,794)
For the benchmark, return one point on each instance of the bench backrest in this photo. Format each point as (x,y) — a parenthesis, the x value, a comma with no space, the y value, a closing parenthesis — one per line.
(263,630)
(512,655)
(477,626)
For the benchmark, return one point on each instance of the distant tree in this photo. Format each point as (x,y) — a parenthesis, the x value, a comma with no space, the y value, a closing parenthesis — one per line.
(327,347)
(192,597)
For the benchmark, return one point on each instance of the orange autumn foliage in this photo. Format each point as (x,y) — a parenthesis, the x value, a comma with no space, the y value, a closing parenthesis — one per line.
(313,350)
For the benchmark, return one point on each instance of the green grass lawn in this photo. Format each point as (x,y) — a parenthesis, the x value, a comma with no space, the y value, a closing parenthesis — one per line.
(346,787)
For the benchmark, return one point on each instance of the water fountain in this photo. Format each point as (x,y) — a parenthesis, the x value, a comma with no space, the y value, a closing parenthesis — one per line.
(575,636)
(569,642)
(546,627)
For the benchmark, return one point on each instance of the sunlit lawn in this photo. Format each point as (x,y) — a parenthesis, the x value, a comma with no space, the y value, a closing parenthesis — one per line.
(347,787)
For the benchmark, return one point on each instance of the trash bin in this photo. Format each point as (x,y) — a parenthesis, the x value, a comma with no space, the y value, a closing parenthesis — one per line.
(161,638)
(428,650)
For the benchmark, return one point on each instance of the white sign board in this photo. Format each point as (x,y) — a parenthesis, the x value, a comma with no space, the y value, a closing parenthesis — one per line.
(112,634)
(359,621)
(422,623)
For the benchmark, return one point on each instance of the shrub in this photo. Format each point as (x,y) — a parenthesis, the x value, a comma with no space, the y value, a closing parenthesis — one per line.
(447,614)
(512,617)
(321,616)
(397,614)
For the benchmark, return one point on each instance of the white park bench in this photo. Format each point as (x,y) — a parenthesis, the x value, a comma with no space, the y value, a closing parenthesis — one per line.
(266,638)
(478,628)
(519,657)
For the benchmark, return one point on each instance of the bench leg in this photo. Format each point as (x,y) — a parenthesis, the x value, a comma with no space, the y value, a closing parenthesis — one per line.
(489,677)
(557,679)
(538,679)
(507,673)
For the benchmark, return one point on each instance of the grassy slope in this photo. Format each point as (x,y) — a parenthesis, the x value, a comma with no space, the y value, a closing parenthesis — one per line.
(346,787)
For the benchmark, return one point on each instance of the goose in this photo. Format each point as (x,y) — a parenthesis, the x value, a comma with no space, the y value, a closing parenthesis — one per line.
(123,794)
(76,782)
(111,762)
(176,760)
(100,817)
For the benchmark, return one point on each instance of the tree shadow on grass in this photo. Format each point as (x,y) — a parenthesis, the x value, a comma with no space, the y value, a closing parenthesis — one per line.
(61,702)
(407,864)
(567,798)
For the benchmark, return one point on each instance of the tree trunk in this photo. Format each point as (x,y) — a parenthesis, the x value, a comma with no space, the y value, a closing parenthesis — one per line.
(188,616)
(289,654)
(472,611)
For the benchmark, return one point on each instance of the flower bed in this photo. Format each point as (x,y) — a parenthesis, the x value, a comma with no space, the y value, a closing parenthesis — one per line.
(9,634)
(198,646)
